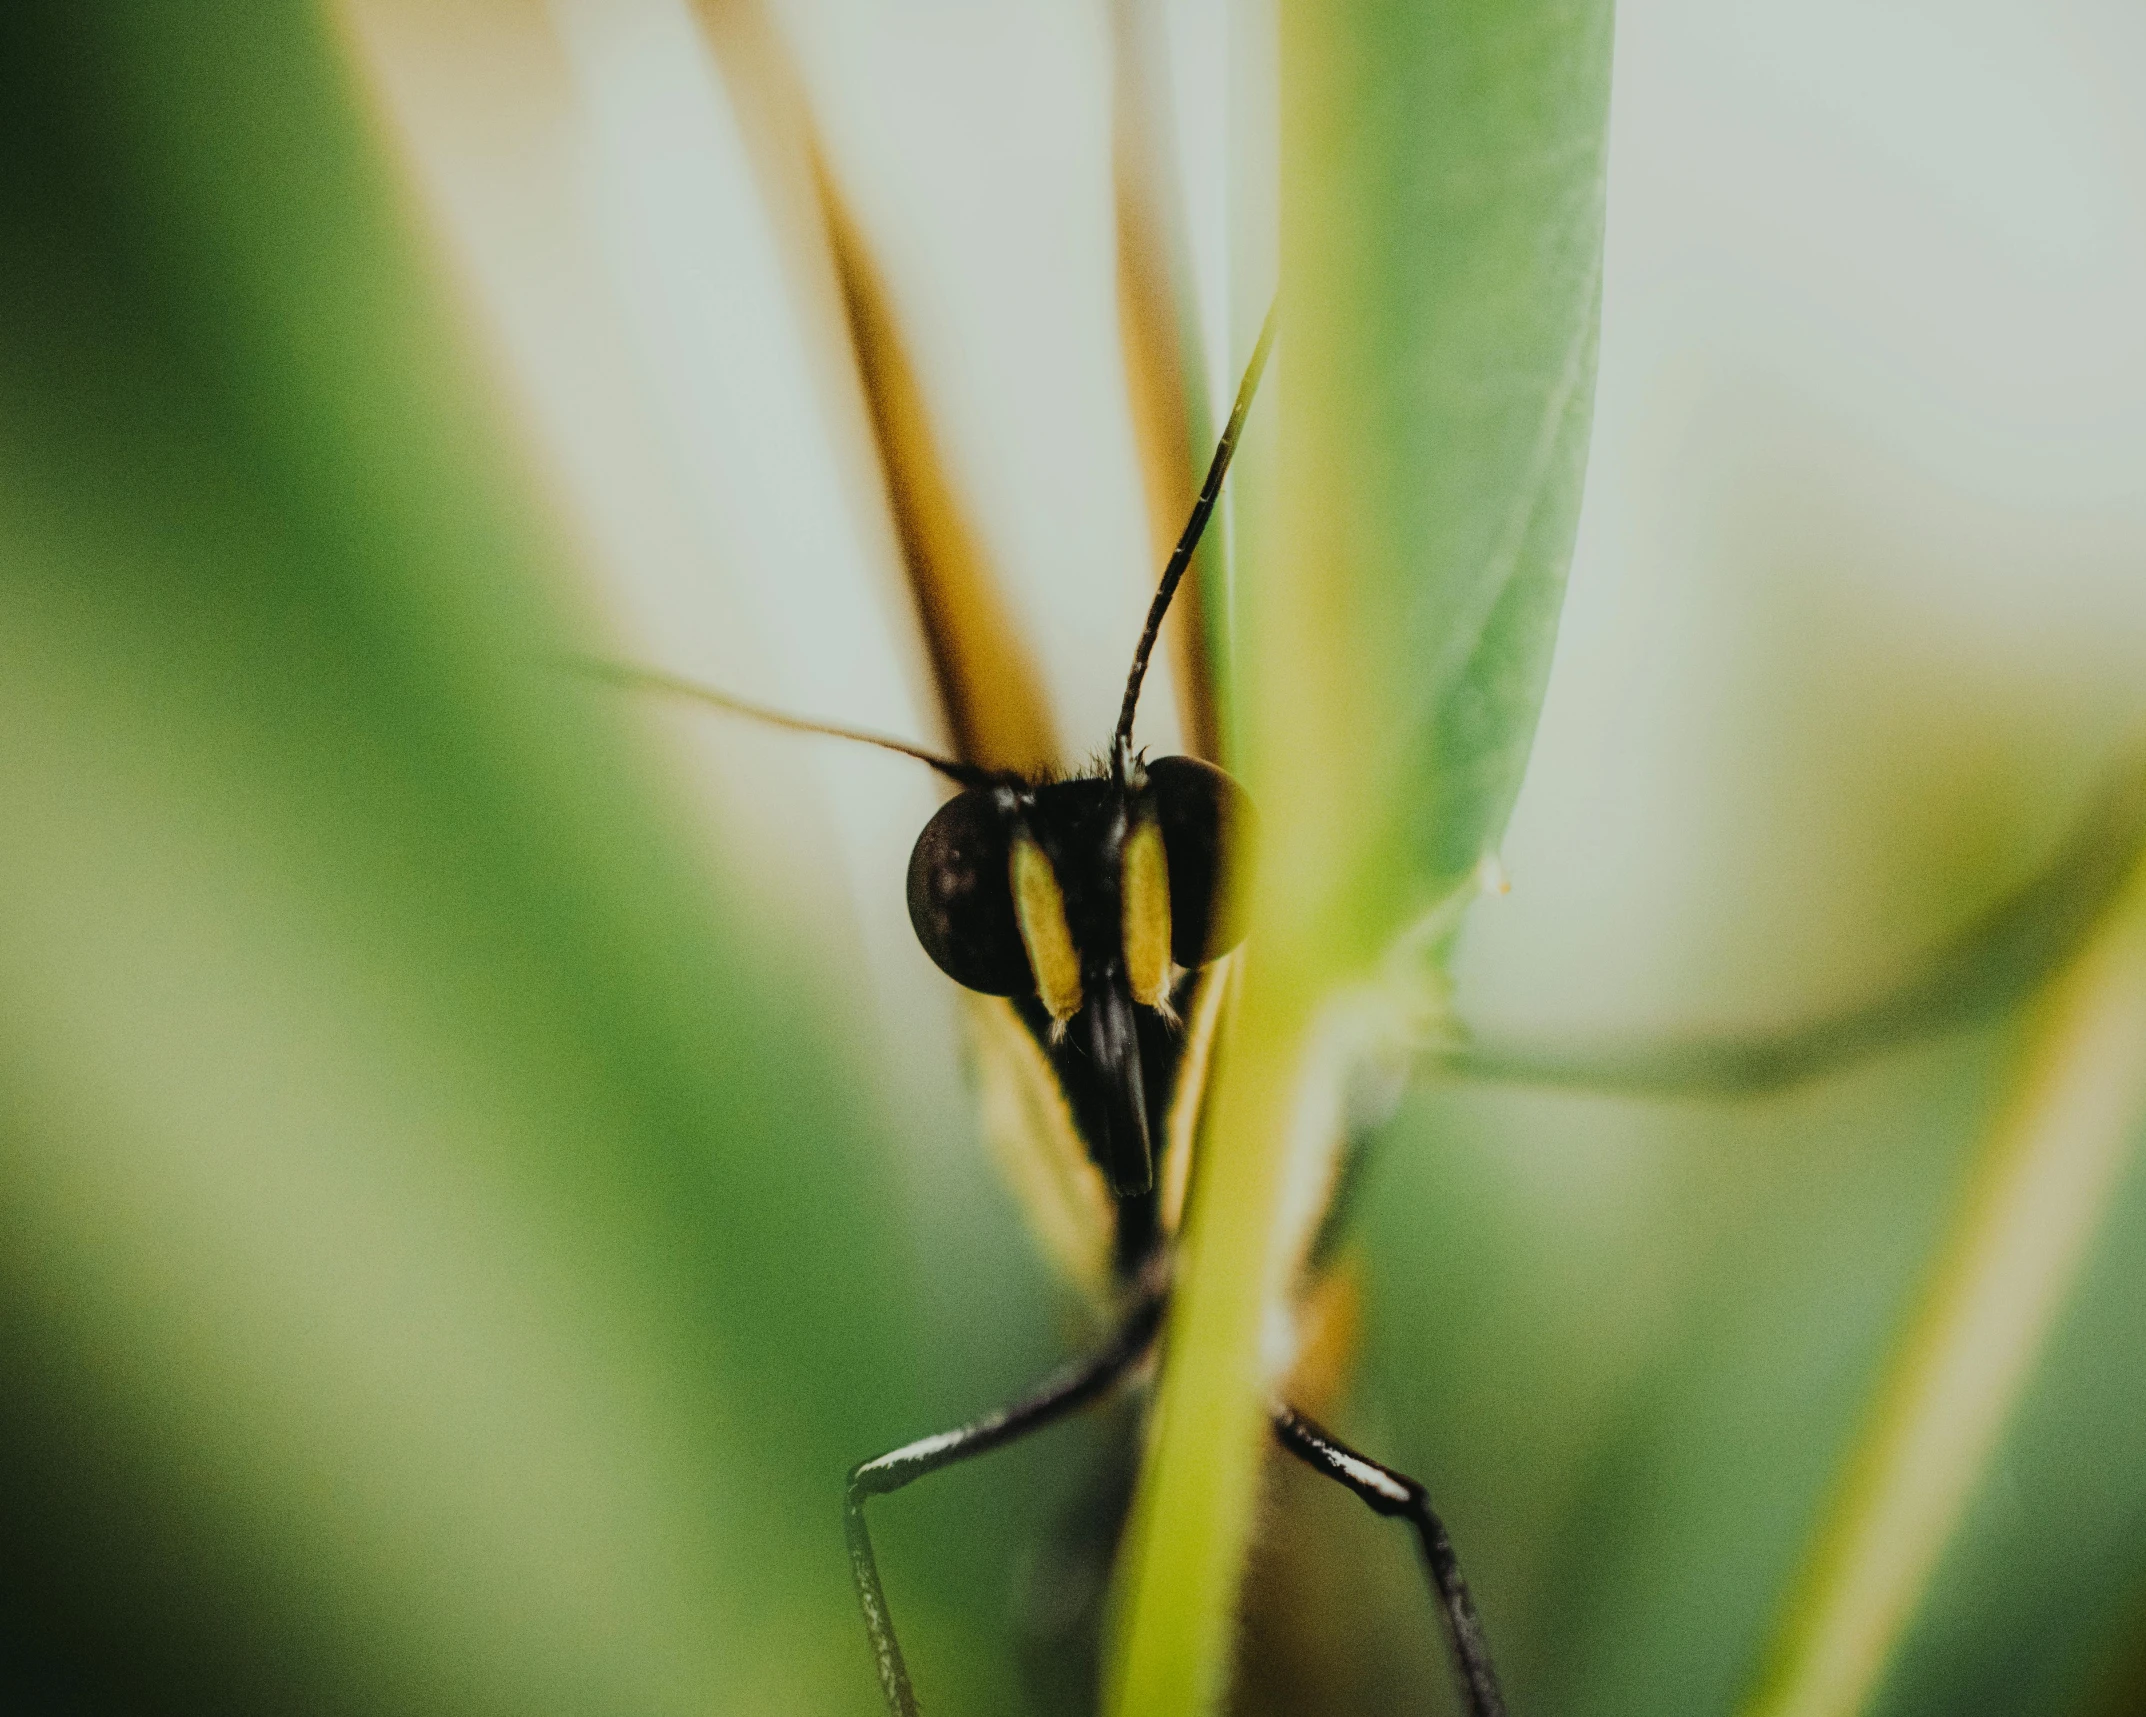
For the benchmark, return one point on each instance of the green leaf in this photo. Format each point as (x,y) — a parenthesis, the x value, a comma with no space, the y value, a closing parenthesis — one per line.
(1442,178)
(417,1175)
(1443,204)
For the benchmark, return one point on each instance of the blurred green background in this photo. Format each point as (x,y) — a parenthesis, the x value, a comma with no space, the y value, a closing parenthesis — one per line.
(460,1209)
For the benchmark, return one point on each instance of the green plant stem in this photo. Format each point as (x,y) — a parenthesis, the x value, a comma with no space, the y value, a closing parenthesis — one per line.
(1194,1512)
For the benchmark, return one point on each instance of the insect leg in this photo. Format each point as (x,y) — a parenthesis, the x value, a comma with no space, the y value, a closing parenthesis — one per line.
(1387,1492)
(1078,1386)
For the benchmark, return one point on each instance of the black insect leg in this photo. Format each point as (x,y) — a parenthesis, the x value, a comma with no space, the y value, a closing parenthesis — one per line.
(1387,1492)
(1076,1387)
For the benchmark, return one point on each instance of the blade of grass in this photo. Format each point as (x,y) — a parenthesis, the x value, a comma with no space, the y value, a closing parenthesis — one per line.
(2024,1229)
(1995,963)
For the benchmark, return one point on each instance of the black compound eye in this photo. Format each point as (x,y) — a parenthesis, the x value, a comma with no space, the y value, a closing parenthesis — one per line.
(961,895)
(1207,828)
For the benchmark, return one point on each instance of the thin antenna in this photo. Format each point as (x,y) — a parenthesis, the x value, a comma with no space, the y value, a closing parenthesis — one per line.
(653,680)
(1173,575)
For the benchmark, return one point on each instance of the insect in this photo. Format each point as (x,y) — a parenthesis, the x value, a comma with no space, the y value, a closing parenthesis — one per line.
(1094,910)
(1091,917)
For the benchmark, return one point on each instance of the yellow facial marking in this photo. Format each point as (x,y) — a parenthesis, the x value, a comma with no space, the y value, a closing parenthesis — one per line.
(1144,894)
(1040,910)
